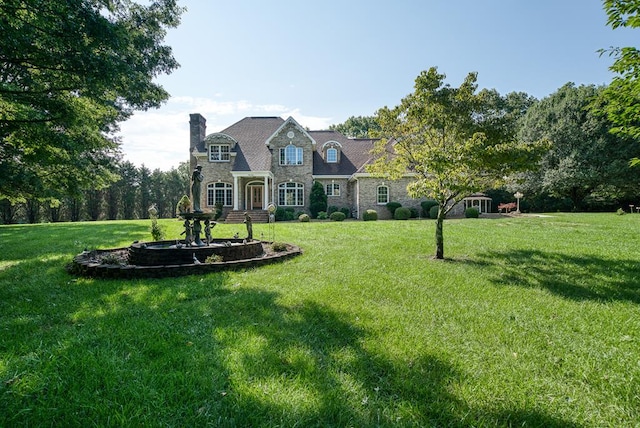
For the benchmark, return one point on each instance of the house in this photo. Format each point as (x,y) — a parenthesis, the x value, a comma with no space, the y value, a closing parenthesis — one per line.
(260,161)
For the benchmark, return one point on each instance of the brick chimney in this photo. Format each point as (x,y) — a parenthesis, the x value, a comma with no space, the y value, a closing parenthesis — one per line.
(197,132)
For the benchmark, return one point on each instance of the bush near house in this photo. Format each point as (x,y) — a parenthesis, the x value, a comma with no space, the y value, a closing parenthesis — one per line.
(304,218)
(346,211)
(322,215)
(426,207)
(337,216)
(402,213)
(433,212)
(393,206)
(370,215)
(471,212)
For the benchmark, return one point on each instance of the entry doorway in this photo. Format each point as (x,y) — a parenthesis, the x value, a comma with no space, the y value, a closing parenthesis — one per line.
(255,195)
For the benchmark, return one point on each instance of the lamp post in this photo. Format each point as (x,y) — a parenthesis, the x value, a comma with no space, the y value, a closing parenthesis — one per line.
(518,195)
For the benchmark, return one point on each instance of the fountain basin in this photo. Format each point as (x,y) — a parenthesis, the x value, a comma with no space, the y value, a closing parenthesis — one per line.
(171,262)
(168,253)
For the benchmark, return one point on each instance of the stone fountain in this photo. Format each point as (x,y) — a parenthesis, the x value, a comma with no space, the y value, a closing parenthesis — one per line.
(190,255)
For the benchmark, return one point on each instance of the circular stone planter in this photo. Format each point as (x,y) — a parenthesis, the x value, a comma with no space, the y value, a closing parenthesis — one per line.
(166,259)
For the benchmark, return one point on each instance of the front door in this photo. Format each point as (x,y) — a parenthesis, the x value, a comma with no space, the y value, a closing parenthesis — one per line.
(256,193)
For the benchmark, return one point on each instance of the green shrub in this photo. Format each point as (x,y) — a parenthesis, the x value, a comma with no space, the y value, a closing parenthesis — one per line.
(471,212)
(370,215)
(218,213)
(279,247)
(289,214)
(414,212)
(322,215)
(213,258)
(280,214)
(433,212)
(304,218)
(337,216)
(317,199)
(346,211)
(621,211)
(402,213)
(393,206)
(331,209)
(426,207)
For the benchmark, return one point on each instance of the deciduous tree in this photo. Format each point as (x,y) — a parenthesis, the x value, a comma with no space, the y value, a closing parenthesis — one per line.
(70,71)
(622,96)
(585,159)
(454,141)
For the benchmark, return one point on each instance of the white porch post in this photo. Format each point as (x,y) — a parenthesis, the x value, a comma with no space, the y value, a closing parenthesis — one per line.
(235,193)
(265,198)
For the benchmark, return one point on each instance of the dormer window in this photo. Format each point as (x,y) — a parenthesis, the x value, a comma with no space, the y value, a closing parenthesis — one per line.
(332,155)
(219,153)
(331,152)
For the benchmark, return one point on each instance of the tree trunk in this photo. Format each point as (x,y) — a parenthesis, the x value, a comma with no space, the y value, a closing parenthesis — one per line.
(439,234)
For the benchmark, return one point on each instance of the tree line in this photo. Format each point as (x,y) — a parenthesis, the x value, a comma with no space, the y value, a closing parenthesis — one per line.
(586,166)
(135,190)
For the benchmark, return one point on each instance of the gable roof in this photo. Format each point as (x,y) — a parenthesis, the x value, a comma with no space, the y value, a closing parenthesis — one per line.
(251,134)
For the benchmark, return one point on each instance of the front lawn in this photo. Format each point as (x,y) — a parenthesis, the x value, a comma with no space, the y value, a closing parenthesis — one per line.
(530,321)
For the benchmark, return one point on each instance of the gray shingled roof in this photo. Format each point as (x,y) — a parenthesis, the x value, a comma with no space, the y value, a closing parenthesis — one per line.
(251,133)
(355,153)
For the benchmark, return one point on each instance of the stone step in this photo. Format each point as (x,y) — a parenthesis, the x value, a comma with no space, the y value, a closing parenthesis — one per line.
(257,216)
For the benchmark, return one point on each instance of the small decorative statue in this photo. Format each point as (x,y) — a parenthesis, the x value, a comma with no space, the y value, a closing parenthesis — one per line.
(188,236)
(247,222)
(196,179)
(207,230)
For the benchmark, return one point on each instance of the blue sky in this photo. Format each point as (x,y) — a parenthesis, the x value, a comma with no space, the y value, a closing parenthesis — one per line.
(324,61)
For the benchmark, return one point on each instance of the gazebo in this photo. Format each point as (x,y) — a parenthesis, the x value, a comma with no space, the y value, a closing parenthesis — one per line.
(480,201)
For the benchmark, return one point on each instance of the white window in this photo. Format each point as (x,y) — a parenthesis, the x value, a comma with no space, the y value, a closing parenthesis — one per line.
(333,189)
(383,195)
(219,153)
(332,155)
(291,155)
(220,193)
(291,194)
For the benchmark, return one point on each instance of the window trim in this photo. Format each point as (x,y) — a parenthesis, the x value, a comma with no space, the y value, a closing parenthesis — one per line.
(291,187)
(223,156)
(378,194)
(296,153)
(335,155)
(330,189)
(226,188)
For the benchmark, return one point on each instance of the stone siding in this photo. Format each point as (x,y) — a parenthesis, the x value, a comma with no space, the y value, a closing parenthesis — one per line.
(293,173)
(368,195)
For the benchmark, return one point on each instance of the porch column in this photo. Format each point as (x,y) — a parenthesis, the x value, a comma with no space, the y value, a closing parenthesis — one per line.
(235,193)
(265,197)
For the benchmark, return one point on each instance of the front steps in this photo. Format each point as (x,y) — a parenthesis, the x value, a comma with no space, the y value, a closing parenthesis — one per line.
(257,216)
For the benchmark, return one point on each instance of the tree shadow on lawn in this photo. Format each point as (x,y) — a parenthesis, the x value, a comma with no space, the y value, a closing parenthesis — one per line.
(19,241)
(204,351)
(583,277)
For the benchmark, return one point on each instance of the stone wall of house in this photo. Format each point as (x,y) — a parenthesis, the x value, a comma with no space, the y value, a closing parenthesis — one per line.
(368,195)
(293,173)
(346,193)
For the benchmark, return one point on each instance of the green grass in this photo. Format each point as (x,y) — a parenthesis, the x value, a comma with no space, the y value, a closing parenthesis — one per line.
(531,321)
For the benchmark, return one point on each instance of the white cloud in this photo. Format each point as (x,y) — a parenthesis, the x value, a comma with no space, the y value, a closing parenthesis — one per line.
(160,138)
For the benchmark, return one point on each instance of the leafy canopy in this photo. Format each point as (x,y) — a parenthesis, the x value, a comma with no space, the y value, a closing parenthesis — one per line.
(585,160)
(453,141)
(623,94)
(70,71)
